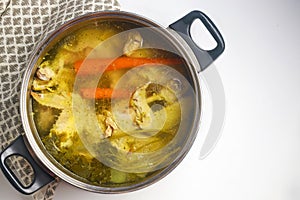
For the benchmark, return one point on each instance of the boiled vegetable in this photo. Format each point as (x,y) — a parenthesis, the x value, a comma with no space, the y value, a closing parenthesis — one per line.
(101,93)
(92,66)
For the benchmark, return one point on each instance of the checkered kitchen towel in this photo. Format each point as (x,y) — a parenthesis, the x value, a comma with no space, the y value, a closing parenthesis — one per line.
(23,24)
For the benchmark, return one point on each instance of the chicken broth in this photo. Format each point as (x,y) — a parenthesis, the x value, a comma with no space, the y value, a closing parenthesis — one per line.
(112,103)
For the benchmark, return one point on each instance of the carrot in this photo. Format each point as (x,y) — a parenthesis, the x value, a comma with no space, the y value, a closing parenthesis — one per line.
(102,93)
(91,66)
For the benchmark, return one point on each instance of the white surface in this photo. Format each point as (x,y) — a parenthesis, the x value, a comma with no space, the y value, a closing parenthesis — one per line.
(257,156)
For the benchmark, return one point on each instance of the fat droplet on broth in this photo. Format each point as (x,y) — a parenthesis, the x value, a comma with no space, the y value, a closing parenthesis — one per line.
(175,85)
(70,40)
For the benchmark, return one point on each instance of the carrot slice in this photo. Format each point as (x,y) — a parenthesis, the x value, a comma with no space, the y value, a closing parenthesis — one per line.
(91,66)
(102,93)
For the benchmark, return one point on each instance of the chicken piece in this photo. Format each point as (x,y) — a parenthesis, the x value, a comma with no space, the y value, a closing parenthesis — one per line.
(39,85)
(61,79)
(55,93)
(45,74)
(52,100)
(110,125)
(142,110)
(64,129)
(134,42)
(88,37)
(92,42)
(152,105)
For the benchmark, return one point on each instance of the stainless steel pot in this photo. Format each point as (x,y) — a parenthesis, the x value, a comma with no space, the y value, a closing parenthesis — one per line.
(30,146)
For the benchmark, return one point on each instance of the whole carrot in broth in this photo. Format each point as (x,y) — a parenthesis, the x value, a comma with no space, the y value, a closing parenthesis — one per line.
(102,93)
(92,66)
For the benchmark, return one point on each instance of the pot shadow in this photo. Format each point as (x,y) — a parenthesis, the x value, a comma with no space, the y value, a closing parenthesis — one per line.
(217,103)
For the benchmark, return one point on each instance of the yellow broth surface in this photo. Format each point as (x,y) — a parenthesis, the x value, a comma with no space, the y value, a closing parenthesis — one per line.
(154,98)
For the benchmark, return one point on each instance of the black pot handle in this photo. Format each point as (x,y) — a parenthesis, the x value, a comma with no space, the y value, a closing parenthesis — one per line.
(41,178)
(183,27)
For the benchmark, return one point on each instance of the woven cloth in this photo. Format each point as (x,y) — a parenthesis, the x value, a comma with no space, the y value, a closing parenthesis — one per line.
(23,24)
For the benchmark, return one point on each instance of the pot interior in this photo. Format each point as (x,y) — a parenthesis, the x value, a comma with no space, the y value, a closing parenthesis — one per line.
(113,102)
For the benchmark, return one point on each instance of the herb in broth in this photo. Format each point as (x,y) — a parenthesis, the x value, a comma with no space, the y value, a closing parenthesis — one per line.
(53,92)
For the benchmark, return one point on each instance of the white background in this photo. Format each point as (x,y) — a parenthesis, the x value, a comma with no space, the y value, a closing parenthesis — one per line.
(258,155)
